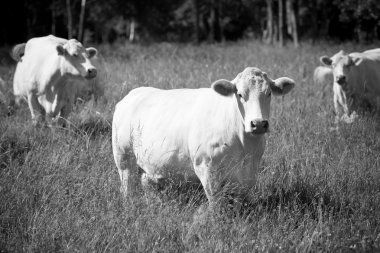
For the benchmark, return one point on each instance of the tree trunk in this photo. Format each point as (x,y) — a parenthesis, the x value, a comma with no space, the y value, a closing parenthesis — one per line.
(275,32)
(280,23)
(69,20)
(31,18)
(292,21)
(268,33)
(132,28)
(196,20)
(315,32)
(53,17)
(375,33)
(215,34)
(81,20)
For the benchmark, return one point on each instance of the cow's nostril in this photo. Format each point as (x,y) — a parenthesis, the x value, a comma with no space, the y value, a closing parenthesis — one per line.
(341,79)
(259,126)
(91,71)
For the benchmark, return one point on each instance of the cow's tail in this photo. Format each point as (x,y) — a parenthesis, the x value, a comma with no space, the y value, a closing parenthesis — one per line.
(18,51)
(115,147)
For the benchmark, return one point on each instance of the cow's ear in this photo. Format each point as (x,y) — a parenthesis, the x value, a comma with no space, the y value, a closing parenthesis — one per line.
(91,52)
(61,50)
(326,60)
(224,87)
(282,86)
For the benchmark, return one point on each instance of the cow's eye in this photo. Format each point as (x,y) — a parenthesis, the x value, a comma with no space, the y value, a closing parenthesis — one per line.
(75,55)
(241,96)
(269,93)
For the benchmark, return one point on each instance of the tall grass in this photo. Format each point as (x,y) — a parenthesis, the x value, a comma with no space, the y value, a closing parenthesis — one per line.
(319,190)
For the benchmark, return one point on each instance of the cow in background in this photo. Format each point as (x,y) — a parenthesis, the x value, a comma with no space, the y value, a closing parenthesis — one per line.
(47,75)
(356,81)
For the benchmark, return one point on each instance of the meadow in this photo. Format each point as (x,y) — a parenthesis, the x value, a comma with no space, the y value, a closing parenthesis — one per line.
(319,190)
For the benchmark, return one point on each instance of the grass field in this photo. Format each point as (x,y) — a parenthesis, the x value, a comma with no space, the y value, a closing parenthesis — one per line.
(319,189)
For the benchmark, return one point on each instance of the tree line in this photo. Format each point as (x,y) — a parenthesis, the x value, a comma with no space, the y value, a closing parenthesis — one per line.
(273,21)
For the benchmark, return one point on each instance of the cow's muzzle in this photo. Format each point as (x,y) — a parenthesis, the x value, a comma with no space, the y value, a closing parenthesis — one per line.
(91,73)
(341,79)
(259,126)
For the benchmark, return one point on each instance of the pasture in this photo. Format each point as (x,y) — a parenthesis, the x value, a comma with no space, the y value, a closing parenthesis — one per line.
(319,190)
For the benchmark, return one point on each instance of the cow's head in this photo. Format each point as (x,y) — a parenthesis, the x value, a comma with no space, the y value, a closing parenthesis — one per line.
(78,59)
(253,89)
(341,64)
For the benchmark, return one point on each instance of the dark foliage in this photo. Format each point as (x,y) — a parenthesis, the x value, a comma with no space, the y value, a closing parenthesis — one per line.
(165,20)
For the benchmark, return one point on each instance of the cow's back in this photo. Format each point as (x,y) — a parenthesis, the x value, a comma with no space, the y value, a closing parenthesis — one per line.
(366,74)
(373,53)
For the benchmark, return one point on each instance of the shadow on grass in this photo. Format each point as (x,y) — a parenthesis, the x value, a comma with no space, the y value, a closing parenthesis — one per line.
(181,192)
(12,148)
(93,127)
(301,198)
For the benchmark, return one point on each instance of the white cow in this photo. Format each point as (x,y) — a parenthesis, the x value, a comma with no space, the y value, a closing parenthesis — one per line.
(47,72)
(323,76)
(356,81)
(214,134)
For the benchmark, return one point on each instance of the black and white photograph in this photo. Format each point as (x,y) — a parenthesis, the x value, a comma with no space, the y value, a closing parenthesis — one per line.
(190,126)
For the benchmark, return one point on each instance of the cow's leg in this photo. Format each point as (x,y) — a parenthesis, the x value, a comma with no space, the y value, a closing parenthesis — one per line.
(126,164)
(212,187)
(36,110)
(149,183)
(210,180)
(338,108)
(350,114)
(64,114)
(128,172)
(365,104)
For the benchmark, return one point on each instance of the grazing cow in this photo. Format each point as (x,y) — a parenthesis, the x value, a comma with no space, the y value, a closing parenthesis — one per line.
(47,72)
(212,134)
(323,76)
(356,81)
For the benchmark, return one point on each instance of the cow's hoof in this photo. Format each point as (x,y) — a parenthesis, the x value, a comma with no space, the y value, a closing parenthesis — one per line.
(334,129)
(349,119)
(38,123)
